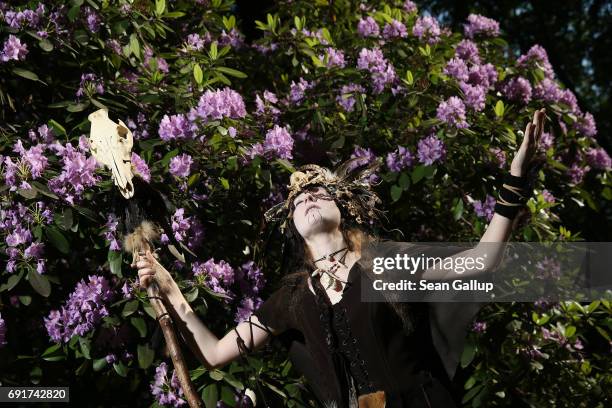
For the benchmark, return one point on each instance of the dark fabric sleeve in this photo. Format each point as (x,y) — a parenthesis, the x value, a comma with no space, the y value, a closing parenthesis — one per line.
(449,321)
(274,312)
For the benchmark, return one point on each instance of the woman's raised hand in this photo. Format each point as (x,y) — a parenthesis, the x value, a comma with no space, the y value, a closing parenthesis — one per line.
(526,152)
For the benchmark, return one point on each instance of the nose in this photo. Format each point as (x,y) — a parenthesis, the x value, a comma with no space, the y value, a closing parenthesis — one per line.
(310,196)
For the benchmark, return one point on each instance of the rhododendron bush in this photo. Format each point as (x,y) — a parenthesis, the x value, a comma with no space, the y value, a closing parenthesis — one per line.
(219,122)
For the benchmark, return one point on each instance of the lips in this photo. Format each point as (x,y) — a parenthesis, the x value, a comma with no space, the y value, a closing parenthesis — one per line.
(311,207)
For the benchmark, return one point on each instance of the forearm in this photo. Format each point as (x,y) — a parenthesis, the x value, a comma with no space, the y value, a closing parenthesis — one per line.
(201,341)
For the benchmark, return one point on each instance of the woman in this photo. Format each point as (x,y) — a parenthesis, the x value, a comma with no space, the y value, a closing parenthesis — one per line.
(353,353)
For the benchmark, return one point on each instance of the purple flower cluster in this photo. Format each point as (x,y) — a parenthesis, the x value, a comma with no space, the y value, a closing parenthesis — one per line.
(141,167)
(180,166)
(176,127)
(431,149)
(485,209)
(297,91)
(167,392)
(394,29)
(44,134)
(381,70)
(548,268)
(367,27)
(31,164)
(234,38)
(364,157)
(480,25)
(335,58)
(76,175)
(479,327)
(279,142)
(468,51)
(110,228)
(267,105)
(536,57)
(2,332)
(547,140)
(13,49)
(155,63)
(577,172)
(15,226)
(83,310)
(346,98)
(427,28)
(197,42)
(452,112)
(399,159)
(598,158)
(25,18)
(586,126)
(219,104)
(92,19)
(410,7)
(90,85)
(188,230)
(548,196)
(500,156)
(219,277)
(518,89)
(251,281)
(475,79)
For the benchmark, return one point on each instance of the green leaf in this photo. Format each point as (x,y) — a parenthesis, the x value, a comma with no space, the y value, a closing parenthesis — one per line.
(469,351)
(232,72)
(499,109)
(418,173)
(224,183)
(145,356)
(213,53)
(99,364)
(409,77)
(216,375)
(78,107)
(135,45)
(11,282)
(396,192)
(198,74)
(115,259)
(24,73)
(121,369)
(160,7)
(210,395)
(130,307)
(25,300)
(57,128)
(39,283)
(458,209)
(570,331)
(46,45)
(404,181)
(85,347)
(140,325)
(52,349)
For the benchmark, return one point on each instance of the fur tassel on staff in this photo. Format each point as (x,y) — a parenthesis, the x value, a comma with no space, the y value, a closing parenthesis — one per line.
(143,213)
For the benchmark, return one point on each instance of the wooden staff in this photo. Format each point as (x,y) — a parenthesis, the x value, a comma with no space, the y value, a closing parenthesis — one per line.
(140,241)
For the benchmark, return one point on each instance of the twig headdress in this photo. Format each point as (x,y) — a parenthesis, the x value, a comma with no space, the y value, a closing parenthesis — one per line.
(349,187)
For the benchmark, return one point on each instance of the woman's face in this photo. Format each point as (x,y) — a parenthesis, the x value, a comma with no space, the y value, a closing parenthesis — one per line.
(315,211)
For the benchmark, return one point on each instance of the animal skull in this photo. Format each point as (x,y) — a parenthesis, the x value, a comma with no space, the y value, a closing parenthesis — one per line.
(111,145)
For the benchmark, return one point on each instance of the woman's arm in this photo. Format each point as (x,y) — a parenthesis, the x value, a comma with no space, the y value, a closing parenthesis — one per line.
(210,350)
(493,242)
